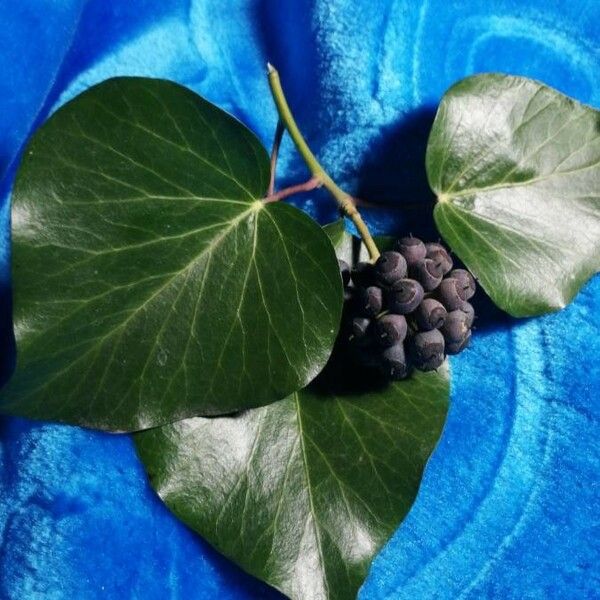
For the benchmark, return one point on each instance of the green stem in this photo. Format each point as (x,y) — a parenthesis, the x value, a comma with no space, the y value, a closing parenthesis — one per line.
(343,199)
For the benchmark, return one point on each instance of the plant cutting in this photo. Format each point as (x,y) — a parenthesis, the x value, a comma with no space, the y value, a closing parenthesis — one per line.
(163,286)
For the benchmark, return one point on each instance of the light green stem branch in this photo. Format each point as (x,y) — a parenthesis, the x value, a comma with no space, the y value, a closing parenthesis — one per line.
(343,199)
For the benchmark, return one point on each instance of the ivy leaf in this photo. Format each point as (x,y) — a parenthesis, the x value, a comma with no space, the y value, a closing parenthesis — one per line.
(349,247)
(150,282)
(304,492)
(341,240)
(516,168)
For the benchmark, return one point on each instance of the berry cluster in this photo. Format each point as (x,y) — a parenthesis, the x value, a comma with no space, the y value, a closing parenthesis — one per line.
(409,309)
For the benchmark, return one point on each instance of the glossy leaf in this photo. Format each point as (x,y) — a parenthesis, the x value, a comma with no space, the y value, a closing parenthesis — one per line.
(341,240)
(516,168)
(150,283)
(349,247)
(304,492)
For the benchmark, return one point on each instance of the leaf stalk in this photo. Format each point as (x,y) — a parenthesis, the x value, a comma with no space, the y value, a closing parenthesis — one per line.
(307,186)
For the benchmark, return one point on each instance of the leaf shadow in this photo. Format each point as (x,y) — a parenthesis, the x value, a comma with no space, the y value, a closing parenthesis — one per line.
(395,177)
(342,376)
(7,338)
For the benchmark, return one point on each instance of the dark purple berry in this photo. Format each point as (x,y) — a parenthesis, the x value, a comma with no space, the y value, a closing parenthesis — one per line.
(363,274)
(455,327)
(427,350)
(412,248)
(369,301)
(469,311)
(393,362)
(430,314)
(451,293)
(404,296)
(440,256)
(457,347)
(428,273)
(360,327)
(345,271)
(466,281)
(390,267)
(417,280)
(390,329)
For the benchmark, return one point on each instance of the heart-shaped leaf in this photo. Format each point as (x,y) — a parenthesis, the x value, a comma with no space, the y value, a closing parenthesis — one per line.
(340,238)
(304,492)
(516,168)
(349,247)
(150,282)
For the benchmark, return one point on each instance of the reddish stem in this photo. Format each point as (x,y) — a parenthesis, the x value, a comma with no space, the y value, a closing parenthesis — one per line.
(307,186)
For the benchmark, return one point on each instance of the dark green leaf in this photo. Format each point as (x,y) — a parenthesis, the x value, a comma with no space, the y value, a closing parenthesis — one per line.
(385,242)
(516,168)
(349,247)
(304,492)
(150,283)
(340,238)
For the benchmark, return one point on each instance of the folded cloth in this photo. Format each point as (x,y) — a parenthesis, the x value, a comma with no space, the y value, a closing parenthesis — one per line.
(510,500)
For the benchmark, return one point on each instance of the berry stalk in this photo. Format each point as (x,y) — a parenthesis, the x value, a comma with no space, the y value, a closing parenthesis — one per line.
(344,200)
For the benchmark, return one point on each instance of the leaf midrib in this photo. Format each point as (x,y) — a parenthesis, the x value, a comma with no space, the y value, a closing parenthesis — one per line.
(312,510)
(449,196)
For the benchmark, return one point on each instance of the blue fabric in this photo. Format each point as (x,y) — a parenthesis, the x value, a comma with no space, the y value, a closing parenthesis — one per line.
(510,501)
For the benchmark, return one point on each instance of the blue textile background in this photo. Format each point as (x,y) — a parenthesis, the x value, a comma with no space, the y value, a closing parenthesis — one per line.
(510,502)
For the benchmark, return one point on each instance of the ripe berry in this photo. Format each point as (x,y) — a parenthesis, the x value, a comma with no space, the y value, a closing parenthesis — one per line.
(369,301)
(455,327)
(440,256)
(412,248)
(466,281)
(451,293)
(363,274)
(469,311)
(393,362)
(404,296)
(457,347)
(427,350)
(390,329)
(390,267)
(430,314)
(360,327)
(345,271)
(428,273)
(394,321)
